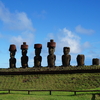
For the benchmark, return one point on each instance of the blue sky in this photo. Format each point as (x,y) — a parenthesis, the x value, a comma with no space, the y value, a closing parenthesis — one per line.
(71,23)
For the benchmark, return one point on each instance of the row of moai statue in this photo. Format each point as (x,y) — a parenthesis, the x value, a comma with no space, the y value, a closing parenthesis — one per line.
(51,58)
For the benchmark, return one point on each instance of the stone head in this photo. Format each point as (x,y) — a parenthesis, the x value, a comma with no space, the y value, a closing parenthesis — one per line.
(66,50)
(51,50)
(12,50)
(24,48)
(51,45)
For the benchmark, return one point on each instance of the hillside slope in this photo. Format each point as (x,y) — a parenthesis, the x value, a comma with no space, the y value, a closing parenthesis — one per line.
(51,81)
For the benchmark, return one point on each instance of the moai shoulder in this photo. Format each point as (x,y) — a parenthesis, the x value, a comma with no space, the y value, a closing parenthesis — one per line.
(95,61)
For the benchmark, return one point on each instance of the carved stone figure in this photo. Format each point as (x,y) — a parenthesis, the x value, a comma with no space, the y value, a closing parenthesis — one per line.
(24,58)
(37,58)
(12,60)
(51,57)
(80,60)
(66,57)
(95,61)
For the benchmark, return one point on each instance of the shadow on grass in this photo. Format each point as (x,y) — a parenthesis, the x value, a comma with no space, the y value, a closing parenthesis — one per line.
(47,94)
(3,93)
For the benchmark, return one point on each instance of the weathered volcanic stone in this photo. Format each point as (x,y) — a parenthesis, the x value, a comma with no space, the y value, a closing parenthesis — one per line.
(12,60)
(51,44)
(80,60)
(95,61)
(37,58)
(66,57)
(24,46)
(12,47)
(24,58)
(51,57)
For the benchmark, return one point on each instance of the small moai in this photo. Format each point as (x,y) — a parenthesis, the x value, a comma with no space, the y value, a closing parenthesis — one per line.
(66,57)
(80,60)
(24,58)
(95,61)
(37,58)
(51,57)
(12,60)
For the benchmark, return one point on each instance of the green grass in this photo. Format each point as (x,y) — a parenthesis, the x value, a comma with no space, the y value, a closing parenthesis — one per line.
(51,81)
(80,81)
(45,96)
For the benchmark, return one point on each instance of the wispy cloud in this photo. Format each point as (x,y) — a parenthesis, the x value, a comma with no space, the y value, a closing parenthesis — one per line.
(86,45)
(68,38)
(16,20)
(25,37)
(40,15)
(82,30)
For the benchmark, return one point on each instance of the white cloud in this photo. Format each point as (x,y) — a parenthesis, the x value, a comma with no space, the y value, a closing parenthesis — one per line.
(17,40)
(40,14)
(82,30)
(25,37)
(66,38)
(16,20)
(86,45)
(69,39)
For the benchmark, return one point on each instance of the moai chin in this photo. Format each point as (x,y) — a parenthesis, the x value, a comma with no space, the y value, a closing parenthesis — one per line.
(51,57)
(24,58)
(37,58)
(80,60)
(95,61)
(12,60)
(66,57)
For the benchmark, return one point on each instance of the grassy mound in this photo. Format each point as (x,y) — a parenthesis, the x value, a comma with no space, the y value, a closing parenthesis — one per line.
(51,81)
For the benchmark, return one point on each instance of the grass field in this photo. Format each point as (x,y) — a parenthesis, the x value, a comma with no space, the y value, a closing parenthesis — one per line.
(51,81)
(46,96)
(81,81)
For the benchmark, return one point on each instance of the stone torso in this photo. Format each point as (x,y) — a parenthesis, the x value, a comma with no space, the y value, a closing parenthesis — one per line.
(24,61)
(51,60)
(66,60)
(37,61)
(12,62)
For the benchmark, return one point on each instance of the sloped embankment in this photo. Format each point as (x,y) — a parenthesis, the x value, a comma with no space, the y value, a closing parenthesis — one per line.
(51,81)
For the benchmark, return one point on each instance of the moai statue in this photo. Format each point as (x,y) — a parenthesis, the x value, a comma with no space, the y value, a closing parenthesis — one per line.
(80,60)
(66,57)
(95,61)
(37,58)
(24,58)
(12,60)
(51,57)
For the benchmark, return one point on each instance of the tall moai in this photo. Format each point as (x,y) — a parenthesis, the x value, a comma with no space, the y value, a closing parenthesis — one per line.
(80,60)
(66,58)
(37,58)
(95,61)
(51,57)
(12,60)
(24,58)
